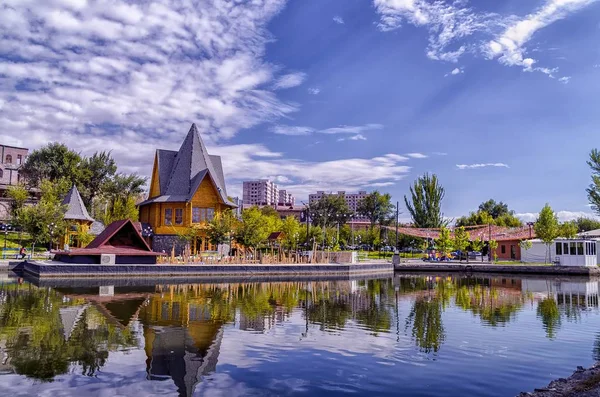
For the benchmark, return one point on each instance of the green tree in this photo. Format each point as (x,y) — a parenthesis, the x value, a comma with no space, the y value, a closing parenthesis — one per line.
(425,205)
(586,224)
(477,245)
(377,207)
(18,196)
(219,229)
(493,246)
(254,229)
(547,228)
(119,198)
(119,208)
(461,241)
(291,230)
(329,210)
(99,169)
(593,190)
(496,210)
(568,230)
(444,243)
(476,218)
(53,162)
(84,236)
(267,210)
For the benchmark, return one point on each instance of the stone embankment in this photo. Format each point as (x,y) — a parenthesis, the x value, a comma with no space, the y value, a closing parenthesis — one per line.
(583,383)
(415,266)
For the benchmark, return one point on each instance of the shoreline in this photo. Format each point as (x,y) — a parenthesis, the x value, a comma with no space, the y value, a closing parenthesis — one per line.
(498,269)
(582,383)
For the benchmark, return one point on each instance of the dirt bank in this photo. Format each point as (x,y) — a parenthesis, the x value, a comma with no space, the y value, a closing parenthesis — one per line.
(583,383)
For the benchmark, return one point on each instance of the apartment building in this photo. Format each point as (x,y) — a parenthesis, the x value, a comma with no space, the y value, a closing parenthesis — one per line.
(286,198)
(260,192)
(352,199)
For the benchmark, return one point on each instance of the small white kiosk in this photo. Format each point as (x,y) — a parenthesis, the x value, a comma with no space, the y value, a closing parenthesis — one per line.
(564,252)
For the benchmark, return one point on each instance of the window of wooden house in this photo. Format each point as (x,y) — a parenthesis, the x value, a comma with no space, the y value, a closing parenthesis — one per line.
(503,249)
(196,214)
(8,159)
(210,214)
(179,216)
(202,214)
(573,249)
(168,216)
(580,248)
(558,248)
(565,248)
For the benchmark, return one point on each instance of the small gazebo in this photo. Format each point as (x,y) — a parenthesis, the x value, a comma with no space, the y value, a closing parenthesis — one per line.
(77,217)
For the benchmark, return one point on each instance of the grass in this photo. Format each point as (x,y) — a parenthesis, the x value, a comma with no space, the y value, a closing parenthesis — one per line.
(15,240)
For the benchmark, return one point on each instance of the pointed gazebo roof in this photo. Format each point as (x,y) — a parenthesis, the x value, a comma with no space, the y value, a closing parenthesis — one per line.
(75,208)
(180,173)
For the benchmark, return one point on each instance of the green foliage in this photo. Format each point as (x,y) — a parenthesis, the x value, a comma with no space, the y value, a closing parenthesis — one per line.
(568,230)
(255,227)
(267,210)
(593,190)
(18,195)
(525,244)
(477,244)
(461,239)
(491,213)
(44,220)
(444,243)
(425,205)
(119,198)
(548,311)
(53,162)
(427,327)
(84,236)
(120,208)
(329,210)
(219,229)
(493,246)
(586,224)
(546,227)
(291,230)
(377,207)
(99,169)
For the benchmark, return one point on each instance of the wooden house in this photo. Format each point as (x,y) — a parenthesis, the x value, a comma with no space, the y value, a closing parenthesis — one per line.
(186,191)
(77,217)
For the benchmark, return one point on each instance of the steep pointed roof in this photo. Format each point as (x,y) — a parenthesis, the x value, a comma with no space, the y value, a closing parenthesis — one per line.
(75,208)
(180,173)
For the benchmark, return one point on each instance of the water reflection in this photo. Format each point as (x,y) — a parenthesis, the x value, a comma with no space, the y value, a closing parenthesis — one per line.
(45,332)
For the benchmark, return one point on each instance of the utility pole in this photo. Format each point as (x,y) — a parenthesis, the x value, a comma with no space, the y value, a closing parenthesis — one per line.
(397,215)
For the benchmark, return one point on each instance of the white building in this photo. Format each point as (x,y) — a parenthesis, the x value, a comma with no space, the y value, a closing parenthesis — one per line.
(564,252)
(260,192)
(286,198)
(352,199)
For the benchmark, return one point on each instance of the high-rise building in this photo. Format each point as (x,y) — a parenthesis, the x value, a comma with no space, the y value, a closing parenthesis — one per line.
(352,199)
(286,198)
(260,192)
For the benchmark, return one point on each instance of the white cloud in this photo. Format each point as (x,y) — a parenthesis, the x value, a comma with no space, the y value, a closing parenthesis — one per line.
(440,153)
(292,130)
(417,155)
(481,165)
(338,19)
(456,29)
(314,90)
(455,71)
(565,80)
(290,80)
(161,65)
(241,162)
(350,129)
(563,216)
(357,137)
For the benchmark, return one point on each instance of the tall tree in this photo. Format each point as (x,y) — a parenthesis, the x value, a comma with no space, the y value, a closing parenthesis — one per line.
(493,208)
(377,207)
(444,242)
(329,210)
(53,162)
(291,230)
(594,189)
(586,224)
(18,196)
(100,168)
(568,230)
(461,241)
(546,227)
(425,205)
(219,229)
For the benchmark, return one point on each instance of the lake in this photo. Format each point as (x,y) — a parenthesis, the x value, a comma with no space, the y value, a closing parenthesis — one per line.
(420,335)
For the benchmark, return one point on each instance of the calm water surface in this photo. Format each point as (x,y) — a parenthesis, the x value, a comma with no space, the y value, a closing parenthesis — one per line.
(413,336)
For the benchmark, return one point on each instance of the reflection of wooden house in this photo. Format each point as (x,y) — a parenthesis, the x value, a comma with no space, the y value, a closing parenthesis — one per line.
(119,243)
(186,191)
(77,217)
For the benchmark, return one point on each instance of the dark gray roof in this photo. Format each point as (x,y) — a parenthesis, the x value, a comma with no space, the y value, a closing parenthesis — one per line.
(75,208)
(180,173)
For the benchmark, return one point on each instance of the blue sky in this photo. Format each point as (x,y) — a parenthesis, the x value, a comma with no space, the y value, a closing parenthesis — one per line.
(496,97)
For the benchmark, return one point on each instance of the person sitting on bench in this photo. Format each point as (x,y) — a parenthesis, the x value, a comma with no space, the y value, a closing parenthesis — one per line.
(23,252)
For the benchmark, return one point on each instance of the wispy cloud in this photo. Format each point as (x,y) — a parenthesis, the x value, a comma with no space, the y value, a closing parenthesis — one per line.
(314,90)
(290,80)
(292,130)
(481,165)
(351,129)
(160,66)
(440,153)
(456,29)
(357,137)
(565,80)
(338,19)
(417,155)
